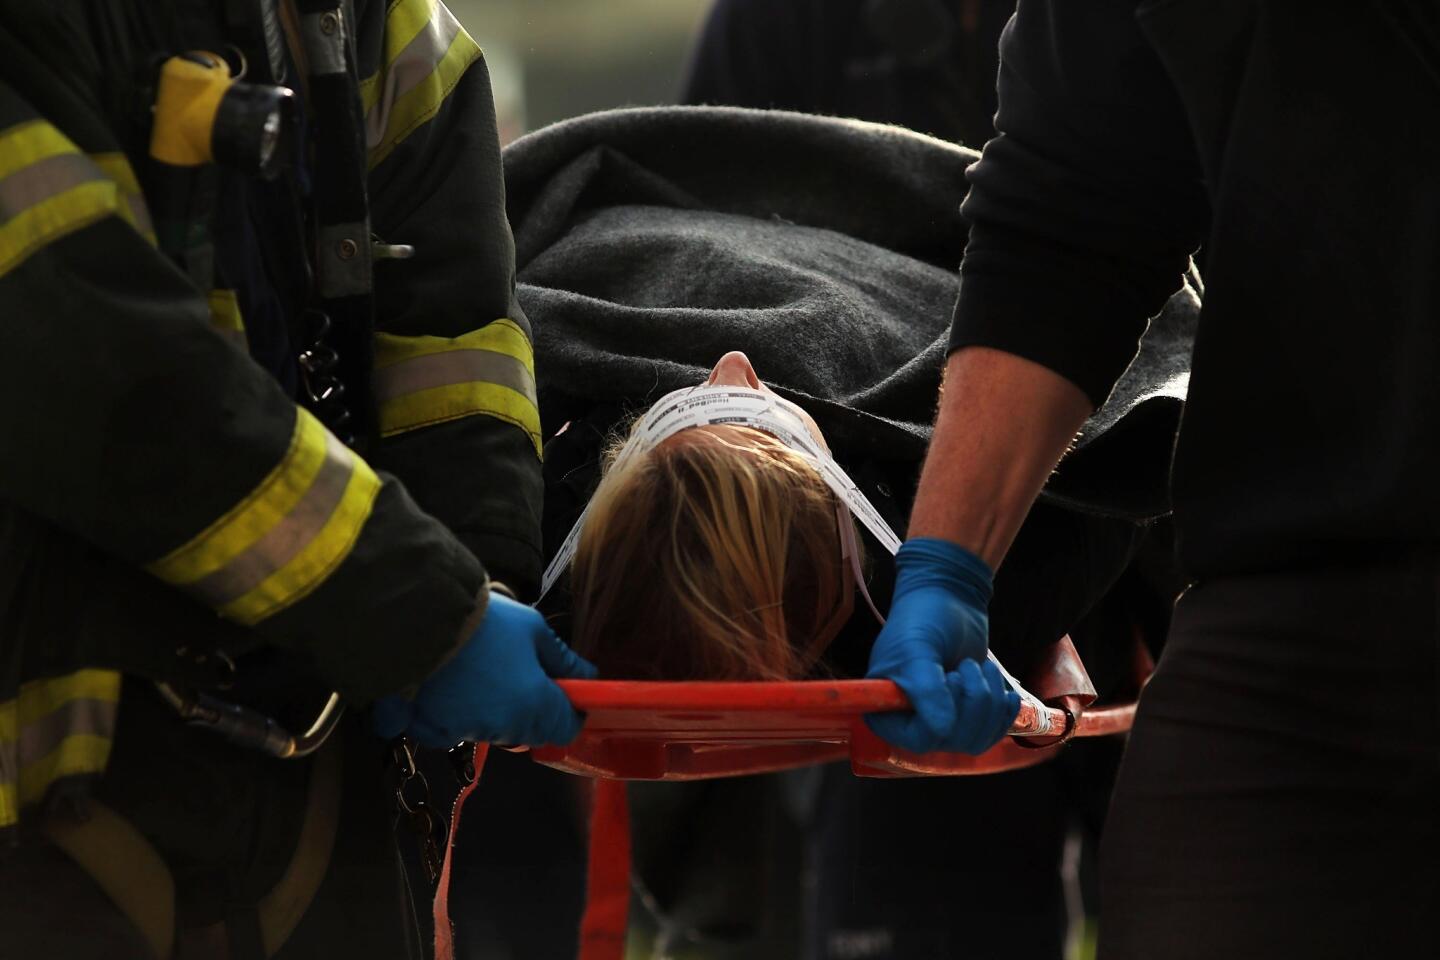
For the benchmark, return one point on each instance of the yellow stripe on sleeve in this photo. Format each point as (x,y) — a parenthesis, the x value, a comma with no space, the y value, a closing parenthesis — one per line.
(54,728)
(427,51)
(225,317)
(421,381)
(326,550)
(117,167)
(280,542)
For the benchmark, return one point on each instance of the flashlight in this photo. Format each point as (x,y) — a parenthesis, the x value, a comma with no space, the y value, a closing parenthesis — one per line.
(204,115)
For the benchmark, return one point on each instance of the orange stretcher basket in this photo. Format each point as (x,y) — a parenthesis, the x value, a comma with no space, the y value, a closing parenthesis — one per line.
(701,730)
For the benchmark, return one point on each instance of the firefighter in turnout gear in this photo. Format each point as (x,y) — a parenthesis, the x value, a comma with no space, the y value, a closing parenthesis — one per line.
(268,432)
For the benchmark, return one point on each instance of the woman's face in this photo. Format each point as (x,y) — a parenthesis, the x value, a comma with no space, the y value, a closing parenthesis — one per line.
(734,370)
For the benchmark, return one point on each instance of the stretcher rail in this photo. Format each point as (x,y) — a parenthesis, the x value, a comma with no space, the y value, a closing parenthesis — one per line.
(645,730)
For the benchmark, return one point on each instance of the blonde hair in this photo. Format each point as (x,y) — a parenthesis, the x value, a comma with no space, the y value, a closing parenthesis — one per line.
(715,556)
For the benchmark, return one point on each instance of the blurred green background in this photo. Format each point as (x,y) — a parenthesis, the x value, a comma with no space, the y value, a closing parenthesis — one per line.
(552,59)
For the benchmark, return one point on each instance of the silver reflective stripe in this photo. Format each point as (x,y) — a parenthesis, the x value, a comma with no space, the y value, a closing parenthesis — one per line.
(323,35)
(286,538)
(74,717)
(44,179)
(410,68)
(451,368)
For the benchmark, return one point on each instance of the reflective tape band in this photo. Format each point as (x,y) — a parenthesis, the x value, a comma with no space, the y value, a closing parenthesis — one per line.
(453,403)
(30,142)
(427,51)
(311,565)
(225,317)
(48,189)
(404,21)
(54,728)
(286,537)
(116,166)
(44,179)
(425,380)
(452,369)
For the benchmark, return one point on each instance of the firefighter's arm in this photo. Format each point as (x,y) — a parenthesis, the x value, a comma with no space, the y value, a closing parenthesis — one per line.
(455,378)
(129,421)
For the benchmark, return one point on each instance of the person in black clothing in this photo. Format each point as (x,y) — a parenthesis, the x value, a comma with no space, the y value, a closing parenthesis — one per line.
(877,890)
(1276,798)
(924,64)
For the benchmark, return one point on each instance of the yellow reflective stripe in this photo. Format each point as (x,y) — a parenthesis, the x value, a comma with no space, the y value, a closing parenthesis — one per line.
(426,380)
(49,220)
(225,310)
(250,519)
(502,336)
(38,699)
(54,727)
(319,558)
(286,536)
(441,404)
(30,142)
(422,66)
(225,317)
(404,21)
(116,166)
(48,189)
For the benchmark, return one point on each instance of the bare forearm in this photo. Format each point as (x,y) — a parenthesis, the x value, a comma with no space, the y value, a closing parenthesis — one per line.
(1004,423)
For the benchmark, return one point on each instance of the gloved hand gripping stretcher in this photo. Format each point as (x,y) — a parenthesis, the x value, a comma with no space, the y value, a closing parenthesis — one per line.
(698,730)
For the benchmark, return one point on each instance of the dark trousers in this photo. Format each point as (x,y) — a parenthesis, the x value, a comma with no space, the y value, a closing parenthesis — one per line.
(964,867)
(1280,795)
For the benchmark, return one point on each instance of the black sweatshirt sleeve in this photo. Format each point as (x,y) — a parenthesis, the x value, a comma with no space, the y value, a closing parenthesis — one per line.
(1085,207)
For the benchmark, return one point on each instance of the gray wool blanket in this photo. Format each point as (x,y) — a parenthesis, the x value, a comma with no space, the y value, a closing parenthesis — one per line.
(651,241)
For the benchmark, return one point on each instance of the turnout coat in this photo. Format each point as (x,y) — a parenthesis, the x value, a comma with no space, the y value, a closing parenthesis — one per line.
(163,497)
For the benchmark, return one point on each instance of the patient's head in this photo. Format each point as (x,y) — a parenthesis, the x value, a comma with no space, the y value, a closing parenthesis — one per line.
(716,556)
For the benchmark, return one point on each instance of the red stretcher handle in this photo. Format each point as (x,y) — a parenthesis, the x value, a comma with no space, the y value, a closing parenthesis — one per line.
(840,697)
(648,730)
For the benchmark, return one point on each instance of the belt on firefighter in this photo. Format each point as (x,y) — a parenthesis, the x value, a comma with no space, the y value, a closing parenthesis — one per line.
(131,872)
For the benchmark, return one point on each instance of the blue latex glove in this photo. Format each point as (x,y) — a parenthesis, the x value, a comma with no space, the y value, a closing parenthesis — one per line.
(496,689)
(933,646)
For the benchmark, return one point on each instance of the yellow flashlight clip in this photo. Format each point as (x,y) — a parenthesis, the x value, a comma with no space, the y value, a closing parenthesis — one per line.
(186,103)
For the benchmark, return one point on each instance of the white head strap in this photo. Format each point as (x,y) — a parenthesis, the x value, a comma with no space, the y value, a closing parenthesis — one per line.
(740,406)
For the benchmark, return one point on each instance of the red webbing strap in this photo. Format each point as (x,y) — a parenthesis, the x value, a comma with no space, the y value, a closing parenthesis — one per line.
(444,933)
(607,888)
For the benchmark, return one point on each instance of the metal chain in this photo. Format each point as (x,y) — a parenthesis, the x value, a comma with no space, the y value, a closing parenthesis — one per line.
(319,364)
(412,802)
